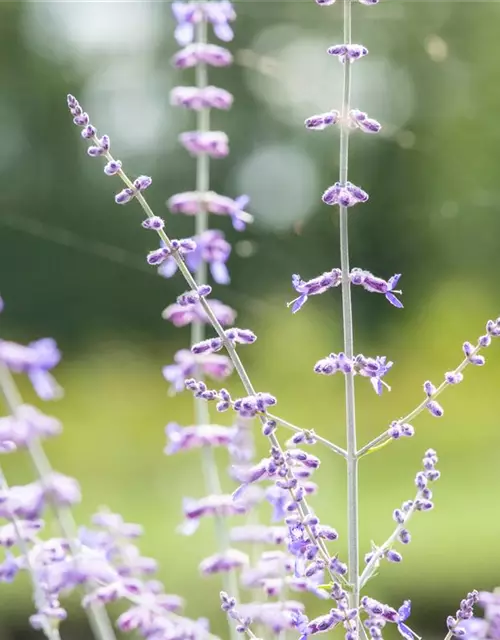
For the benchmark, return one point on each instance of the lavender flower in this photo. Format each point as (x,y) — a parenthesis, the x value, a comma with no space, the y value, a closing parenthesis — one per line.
(196,437)
(191,13)
(214,505)
(191,203)
(201,53)
(223,562)
(359,119)
(379,614)
(316,286)
(373,368)
(349,52)
(371,283)
(35,360)
(345,196)
(187,364)
(213,143)
(322,120)
(198,98)
(182,315)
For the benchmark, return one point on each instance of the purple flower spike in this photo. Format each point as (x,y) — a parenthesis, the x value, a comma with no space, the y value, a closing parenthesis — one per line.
(373,284)
(317,285)
(322,121)
(210,54)
(360,120)
(325,3)
(368,2)
(213,143)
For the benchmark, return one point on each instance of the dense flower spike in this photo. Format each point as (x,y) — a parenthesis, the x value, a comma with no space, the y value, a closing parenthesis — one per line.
(466,611)
(313,287)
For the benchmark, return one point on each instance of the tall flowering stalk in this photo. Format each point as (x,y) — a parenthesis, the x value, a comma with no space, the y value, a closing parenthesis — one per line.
(193,19)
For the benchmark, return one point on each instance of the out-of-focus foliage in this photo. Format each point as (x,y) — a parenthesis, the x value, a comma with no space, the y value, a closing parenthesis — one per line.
(72,262)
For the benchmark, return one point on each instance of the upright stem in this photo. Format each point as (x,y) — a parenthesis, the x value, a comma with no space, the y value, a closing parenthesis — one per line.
(202,415)
(97,615)
(352,463)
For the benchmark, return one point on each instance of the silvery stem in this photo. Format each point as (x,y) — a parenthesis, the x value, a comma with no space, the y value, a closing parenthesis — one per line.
(352,463)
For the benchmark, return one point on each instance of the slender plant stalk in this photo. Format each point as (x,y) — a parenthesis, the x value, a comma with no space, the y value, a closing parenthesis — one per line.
(384,439)
(352,462)
(97,615)
(202,414)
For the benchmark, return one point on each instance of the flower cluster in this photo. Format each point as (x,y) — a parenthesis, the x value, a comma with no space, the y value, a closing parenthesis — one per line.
(463,621)
(373,368)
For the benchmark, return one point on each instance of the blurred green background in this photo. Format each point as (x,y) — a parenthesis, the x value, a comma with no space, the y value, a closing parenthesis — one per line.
(72,264)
